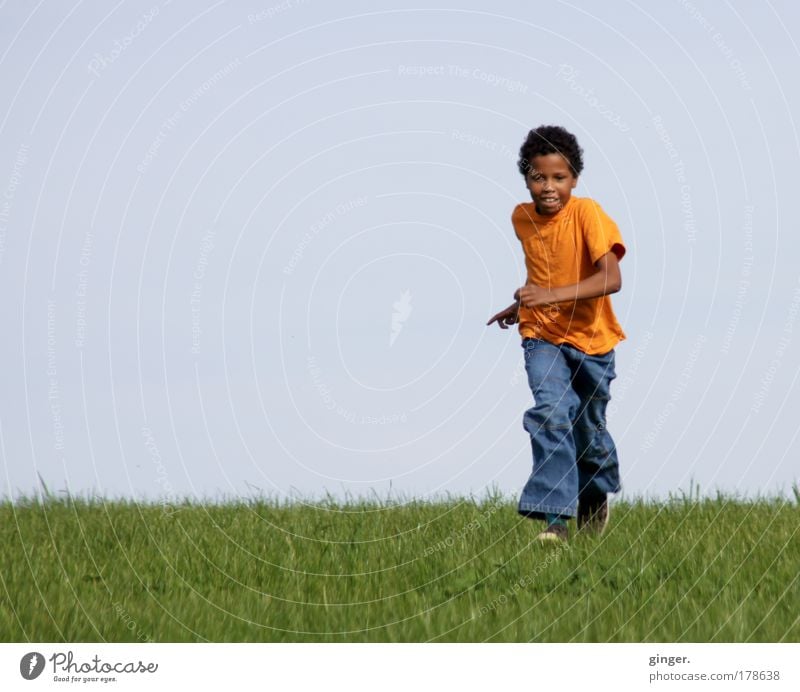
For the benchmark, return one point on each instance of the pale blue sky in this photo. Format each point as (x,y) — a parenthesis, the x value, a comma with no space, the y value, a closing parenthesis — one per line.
(253,245)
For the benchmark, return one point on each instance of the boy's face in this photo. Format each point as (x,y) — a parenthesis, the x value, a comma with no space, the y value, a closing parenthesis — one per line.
(550,181)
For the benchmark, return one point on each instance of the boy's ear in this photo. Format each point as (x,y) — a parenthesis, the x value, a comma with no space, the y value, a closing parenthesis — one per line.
(574,181)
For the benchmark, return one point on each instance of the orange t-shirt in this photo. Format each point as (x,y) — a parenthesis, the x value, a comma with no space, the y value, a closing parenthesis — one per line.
(561,250)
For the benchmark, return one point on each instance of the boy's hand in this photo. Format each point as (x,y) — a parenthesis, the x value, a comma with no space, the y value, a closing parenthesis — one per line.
(532,296)
(506,317)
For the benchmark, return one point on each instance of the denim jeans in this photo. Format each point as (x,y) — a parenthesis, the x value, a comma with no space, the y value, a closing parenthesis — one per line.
(573,453)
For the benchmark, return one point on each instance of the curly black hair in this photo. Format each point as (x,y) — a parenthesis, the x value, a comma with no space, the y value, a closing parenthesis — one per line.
(550,139)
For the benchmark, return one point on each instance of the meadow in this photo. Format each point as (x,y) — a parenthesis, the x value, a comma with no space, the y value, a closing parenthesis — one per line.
(457,570)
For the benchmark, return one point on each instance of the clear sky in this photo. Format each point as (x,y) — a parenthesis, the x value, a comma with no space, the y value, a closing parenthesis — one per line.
(251,247)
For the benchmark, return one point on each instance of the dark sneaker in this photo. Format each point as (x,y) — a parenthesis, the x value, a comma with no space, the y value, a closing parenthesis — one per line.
(554,532)
(593,515)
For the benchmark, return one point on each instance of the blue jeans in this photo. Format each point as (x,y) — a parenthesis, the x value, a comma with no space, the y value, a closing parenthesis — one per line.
(574,456)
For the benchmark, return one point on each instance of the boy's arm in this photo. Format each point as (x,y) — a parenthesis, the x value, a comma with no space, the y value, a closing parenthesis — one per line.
(606,280)
(510,315)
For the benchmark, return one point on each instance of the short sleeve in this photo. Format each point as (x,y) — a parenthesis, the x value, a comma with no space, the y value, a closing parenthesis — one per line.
(516,216)
(600,232)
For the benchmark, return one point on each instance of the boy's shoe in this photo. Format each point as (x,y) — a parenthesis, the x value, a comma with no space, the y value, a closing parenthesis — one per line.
(554,532)
(593,515)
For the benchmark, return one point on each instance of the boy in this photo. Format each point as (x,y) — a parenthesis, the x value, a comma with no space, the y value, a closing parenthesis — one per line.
(569,331)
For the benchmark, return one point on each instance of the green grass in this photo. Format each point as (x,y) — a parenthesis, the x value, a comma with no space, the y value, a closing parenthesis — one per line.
(686,570)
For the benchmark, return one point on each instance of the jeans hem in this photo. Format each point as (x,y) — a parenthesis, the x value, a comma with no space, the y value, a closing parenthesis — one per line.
(537,511)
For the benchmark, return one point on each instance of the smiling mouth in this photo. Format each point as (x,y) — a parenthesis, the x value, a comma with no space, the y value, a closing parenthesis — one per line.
(550,200)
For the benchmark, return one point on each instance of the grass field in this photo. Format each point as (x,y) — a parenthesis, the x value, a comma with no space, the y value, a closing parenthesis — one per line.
(458,570)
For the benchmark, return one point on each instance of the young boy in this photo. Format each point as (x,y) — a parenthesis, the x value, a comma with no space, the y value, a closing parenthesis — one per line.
(569,331)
